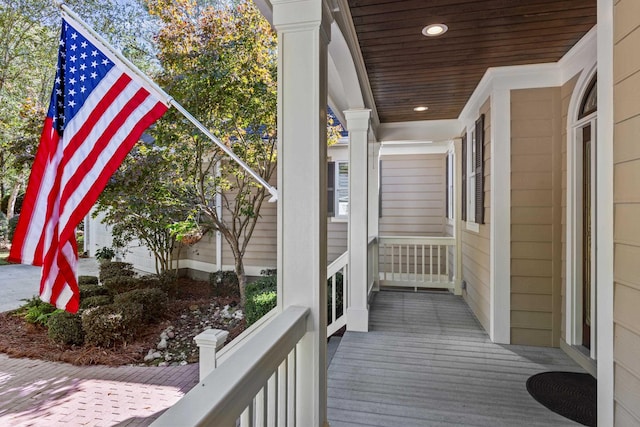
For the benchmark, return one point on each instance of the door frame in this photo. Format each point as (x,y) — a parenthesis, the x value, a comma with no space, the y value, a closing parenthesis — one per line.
(573,293)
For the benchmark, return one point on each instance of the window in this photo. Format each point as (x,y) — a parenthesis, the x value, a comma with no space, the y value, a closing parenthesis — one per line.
(473,174)
(338,189)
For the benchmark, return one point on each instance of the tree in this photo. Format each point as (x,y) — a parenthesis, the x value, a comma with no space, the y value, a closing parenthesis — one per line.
(146,200)
(220,62)
(29,30)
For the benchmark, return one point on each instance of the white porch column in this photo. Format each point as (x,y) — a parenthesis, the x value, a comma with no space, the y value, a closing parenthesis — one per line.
(358,127)
(303,28)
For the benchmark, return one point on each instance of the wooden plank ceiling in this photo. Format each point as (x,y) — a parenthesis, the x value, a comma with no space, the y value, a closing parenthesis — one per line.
(407,69)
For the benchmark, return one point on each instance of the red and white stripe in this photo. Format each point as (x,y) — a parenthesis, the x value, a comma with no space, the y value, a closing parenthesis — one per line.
(69,173)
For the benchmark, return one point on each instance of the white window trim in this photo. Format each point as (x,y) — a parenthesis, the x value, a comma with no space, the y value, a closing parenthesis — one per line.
(337,217)
(451,211)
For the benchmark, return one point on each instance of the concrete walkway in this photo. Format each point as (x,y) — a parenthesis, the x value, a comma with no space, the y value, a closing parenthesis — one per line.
(38,393)
(19,282)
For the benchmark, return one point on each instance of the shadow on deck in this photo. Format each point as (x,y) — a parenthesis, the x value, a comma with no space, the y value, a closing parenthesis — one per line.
(427,362)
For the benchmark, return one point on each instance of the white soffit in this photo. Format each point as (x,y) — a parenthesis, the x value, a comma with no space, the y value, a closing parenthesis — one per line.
(532,76)
(344,87)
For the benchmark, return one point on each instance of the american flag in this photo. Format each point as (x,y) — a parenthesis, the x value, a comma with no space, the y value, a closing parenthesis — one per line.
(99,108)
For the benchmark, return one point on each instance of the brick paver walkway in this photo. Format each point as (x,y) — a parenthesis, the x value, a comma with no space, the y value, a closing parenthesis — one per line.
(38,393)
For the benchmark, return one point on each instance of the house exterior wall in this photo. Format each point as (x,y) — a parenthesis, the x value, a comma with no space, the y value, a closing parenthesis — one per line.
(476,245)
(261,250)
(626,153)
(336,239)
(413,195)
(566,92)
(536,216)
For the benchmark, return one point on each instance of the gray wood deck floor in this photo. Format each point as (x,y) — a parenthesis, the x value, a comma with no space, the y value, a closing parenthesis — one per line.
(427,362)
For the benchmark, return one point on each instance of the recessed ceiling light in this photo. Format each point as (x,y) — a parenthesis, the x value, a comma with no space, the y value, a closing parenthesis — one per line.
(434,30)
(421,108)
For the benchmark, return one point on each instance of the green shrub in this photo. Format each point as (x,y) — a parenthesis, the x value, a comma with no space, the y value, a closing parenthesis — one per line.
(95,301)
(88,291)
(224,283)
(120,284)
(153,301)
(87,280)
(166,279)
(261,298)
(11,227)
(269,272)
(105,254)
(151,281)
(110,325)
(65,328)
(36,311)
(116,269)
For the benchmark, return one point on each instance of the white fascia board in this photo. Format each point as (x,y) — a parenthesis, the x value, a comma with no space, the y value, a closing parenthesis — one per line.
(512,77)
(532,76)
(420,131)
(581,56)
(414,148)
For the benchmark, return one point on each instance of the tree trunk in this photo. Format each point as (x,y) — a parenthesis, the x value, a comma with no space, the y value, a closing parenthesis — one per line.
(12,199)
(242,279)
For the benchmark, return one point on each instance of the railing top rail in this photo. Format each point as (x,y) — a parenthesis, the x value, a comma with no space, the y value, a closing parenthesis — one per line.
(337,265)
(222,396)
(238,342)
(426,240)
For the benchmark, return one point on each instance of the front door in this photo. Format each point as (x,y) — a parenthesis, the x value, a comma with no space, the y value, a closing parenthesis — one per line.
(587,237)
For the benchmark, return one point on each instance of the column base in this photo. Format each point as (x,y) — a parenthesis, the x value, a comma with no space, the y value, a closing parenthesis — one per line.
(357,320)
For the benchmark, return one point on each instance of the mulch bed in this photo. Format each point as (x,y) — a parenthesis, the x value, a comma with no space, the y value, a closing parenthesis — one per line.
(190,303)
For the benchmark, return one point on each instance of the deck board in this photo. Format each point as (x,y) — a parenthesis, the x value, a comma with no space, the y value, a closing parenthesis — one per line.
(427,362)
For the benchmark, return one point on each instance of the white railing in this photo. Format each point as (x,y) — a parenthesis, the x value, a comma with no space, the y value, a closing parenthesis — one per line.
(418,262)
(254,388)
(337,293)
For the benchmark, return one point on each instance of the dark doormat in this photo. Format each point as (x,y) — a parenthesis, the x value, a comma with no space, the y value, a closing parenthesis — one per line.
(570,394)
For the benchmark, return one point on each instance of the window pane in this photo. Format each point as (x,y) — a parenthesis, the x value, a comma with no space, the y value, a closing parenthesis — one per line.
(342,189)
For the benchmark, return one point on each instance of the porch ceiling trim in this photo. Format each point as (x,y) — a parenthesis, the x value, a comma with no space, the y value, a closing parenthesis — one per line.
(342,16)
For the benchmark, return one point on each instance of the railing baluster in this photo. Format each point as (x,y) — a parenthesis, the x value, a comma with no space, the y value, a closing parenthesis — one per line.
(345,290)
(439,263)
(333,297)
(446,269)
(408,257)
(422,262)
(246,419)
(393,264)
(272,400)
(282,393)
(261,407)
(431,263)
(291,389)
(415,267)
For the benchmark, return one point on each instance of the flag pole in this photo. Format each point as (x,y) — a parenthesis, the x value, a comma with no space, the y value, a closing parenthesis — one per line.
(169,99)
